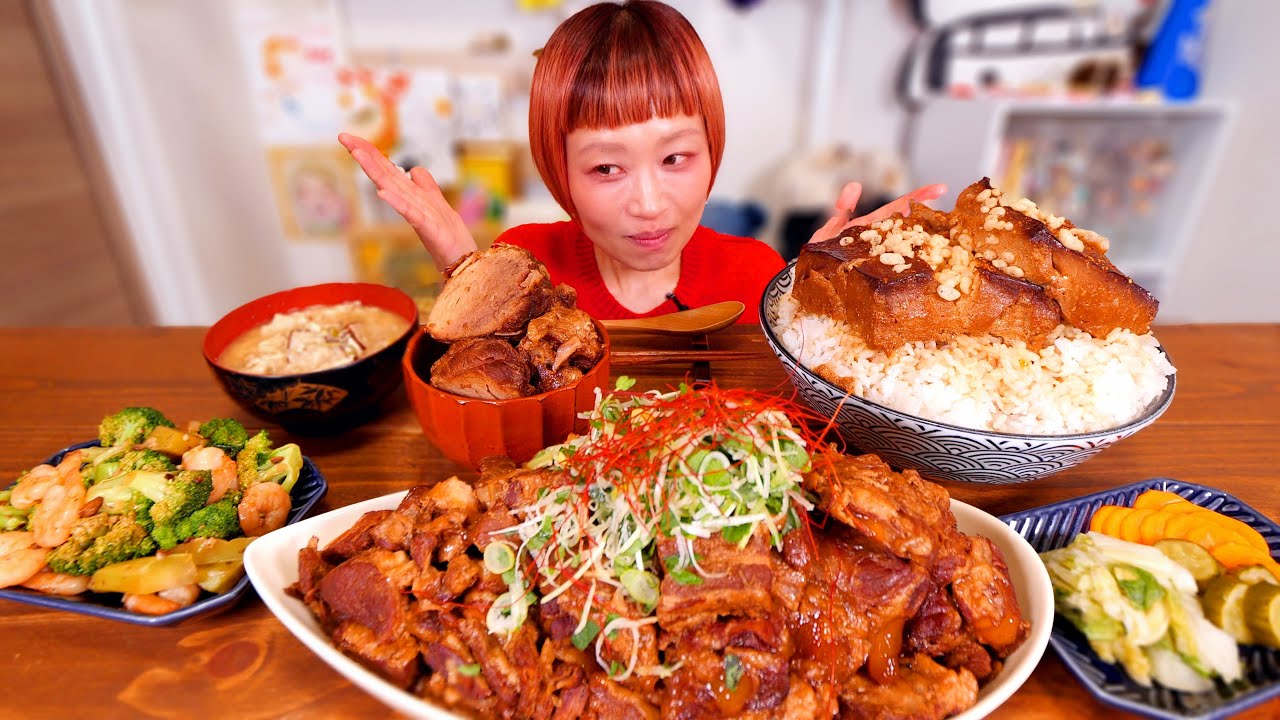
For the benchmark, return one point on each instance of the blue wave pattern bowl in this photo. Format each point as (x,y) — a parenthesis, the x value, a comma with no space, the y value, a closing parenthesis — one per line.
(938,450)
(309,490)
(1053,526)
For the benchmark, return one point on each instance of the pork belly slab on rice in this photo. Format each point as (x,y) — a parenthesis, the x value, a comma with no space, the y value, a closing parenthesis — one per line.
(996,316)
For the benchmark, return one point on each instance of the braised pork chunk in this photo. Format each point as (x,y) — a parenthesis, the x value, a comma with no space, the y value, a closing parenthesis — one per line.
(510,333)
(486,368)
(491,292)
(561,345)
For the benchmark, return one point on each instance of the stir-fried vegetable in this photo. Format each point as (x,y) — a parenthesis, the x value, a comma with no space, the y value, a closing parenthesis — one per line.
(145,575)
(1139,608)
(106,509)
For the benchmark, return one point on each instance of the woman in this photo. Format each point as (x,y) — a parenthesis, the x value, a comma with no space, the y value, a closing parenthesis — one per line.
(626,126)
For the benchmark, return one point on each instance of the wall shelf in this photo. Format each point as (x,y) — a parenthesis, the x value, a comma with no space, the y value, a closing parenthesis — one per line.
(1134,171)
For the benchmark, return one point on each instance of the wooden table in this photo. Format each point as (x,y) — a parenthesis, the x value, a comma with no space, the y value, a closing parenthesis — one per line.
(55,385)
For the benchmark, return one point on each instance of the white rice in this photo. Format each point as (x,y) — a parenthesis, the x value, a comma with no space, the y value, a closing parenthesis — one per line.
(1076,384)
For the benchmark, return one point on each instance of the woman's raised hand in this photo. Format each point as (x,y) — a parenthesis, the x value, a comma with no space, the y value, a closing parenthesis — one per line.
(417,198)
(848,200)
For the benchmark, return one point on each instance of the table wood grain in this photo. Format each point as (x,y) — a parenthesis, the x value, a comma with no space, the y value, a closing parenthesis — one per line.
(55,384)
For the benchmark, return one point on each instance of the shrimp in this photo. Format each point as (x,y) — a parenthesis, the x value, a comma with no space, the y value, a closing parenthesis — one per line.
(47,581)
(52,520)
(32,486)
(163,602)
(70,465)
(264,507)
(184,595)
(216,461)
(149,604)
(20,557)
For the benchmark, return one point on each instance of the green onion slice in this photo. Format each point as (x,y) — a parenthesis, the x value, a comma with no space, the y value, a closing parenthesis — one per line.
(641,585)
(499,557)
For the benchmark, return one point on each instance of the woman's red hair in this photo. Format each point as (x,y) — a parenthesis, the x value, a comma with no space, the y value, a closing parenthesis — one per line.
(611,65)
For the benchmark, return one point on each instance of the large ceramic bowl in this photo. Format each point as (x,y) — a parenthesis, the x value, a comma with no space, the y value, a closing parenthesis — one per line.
(272,565)
(468,430)
(938,450)
(324,401)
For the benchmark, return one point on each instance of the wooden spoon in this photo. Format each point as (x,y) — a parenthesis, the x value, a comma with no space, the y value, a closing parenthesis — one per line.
(698,321)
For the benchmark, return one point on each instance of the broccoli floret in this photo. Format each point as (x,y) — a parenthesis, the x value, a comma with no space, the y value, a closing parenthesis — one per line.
(283,466)
(165,537)
(219,520)
(176,495)
(141,510)
(125,540)
(250,460)
(99,541)
(66,557)
(150,460)
(130,425)
(11,518)
(225,433)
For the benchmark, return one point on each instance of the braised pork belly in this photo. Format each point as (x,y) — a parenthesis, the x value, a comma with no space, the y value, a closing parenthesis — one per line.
(486,368)
(992,265)
(490,292)
(510,332)
(878,607)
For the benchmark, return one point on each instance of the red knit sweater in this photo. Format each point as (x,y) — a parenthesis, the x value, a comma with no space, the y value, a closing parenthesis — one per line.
(713,268)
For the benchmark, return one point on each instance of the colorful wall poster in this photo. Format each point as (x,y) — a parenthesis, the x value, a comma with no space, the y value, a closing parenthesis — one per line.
(409,115)
(292,51)
(314,191)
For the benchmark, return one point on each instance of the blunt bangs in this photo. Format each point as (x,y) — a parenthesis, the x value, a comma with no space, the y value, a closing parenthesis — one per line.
(630,76)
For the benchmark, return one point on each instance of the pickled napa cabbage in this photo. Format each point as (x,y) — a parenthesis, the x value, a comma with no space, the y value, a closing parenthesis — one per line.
(1139,608)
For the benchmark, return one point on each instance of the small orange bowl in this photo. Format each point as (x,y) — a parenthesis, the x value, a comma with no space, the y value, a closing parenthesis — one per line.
(467,429)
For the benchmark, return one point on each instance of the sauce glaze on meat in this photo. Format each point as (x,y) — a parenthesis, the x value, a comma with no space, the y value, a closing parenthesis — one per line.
(879,608)
(511,333)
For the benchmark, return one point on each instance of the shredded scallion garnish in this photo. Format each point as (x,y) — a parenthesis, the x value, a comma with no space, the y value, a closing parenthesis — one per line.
(683,465)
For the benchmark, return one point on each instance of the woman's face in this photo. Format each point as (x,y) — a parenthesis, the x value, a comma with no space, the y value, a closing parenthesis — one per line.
(640,189)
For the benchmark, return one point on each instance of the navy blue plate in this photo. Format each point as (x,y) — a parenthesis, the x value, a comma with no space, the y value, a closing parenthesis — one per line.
(1054,526)
(308,491)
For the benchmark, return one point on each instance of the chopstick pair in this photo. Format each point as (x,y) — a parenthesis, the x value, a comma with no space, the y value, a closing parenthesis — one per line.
(665,357)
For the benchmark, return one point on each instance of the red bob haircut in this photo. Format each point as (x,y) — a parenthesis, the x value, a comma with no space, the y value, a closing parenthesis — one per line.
(611,65)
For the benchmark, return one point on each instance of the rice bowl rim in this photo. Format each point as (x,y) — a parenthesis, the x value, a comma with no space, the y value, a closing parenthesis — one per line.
(1153,410)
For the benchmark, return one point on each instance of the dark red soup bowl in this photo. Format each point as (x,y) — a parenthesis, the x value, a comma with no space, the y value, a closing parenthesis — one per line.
(324,401)
(467,430)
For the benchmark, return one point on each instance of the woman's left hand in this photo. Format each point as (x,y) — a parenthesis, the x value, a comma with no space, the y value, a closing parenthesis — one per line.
(848,200)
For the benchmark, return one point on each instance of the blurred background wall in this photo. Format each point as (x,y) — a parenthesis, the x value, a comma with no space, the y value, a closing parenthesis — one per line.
(188,146)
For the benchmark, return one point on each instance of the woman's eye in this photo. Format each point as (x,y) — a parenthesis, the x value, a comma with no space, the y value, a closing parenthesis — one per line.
(604,169)
(672,159)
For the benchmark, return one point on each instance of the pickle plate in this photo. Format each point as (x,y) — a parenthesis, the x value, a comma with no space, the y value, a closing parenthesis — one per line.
(1054,526)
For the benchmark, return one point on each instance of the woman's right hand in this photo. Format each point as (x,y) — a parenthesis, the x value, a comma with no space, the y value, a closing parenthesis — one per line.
(848,200)
(418,199)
